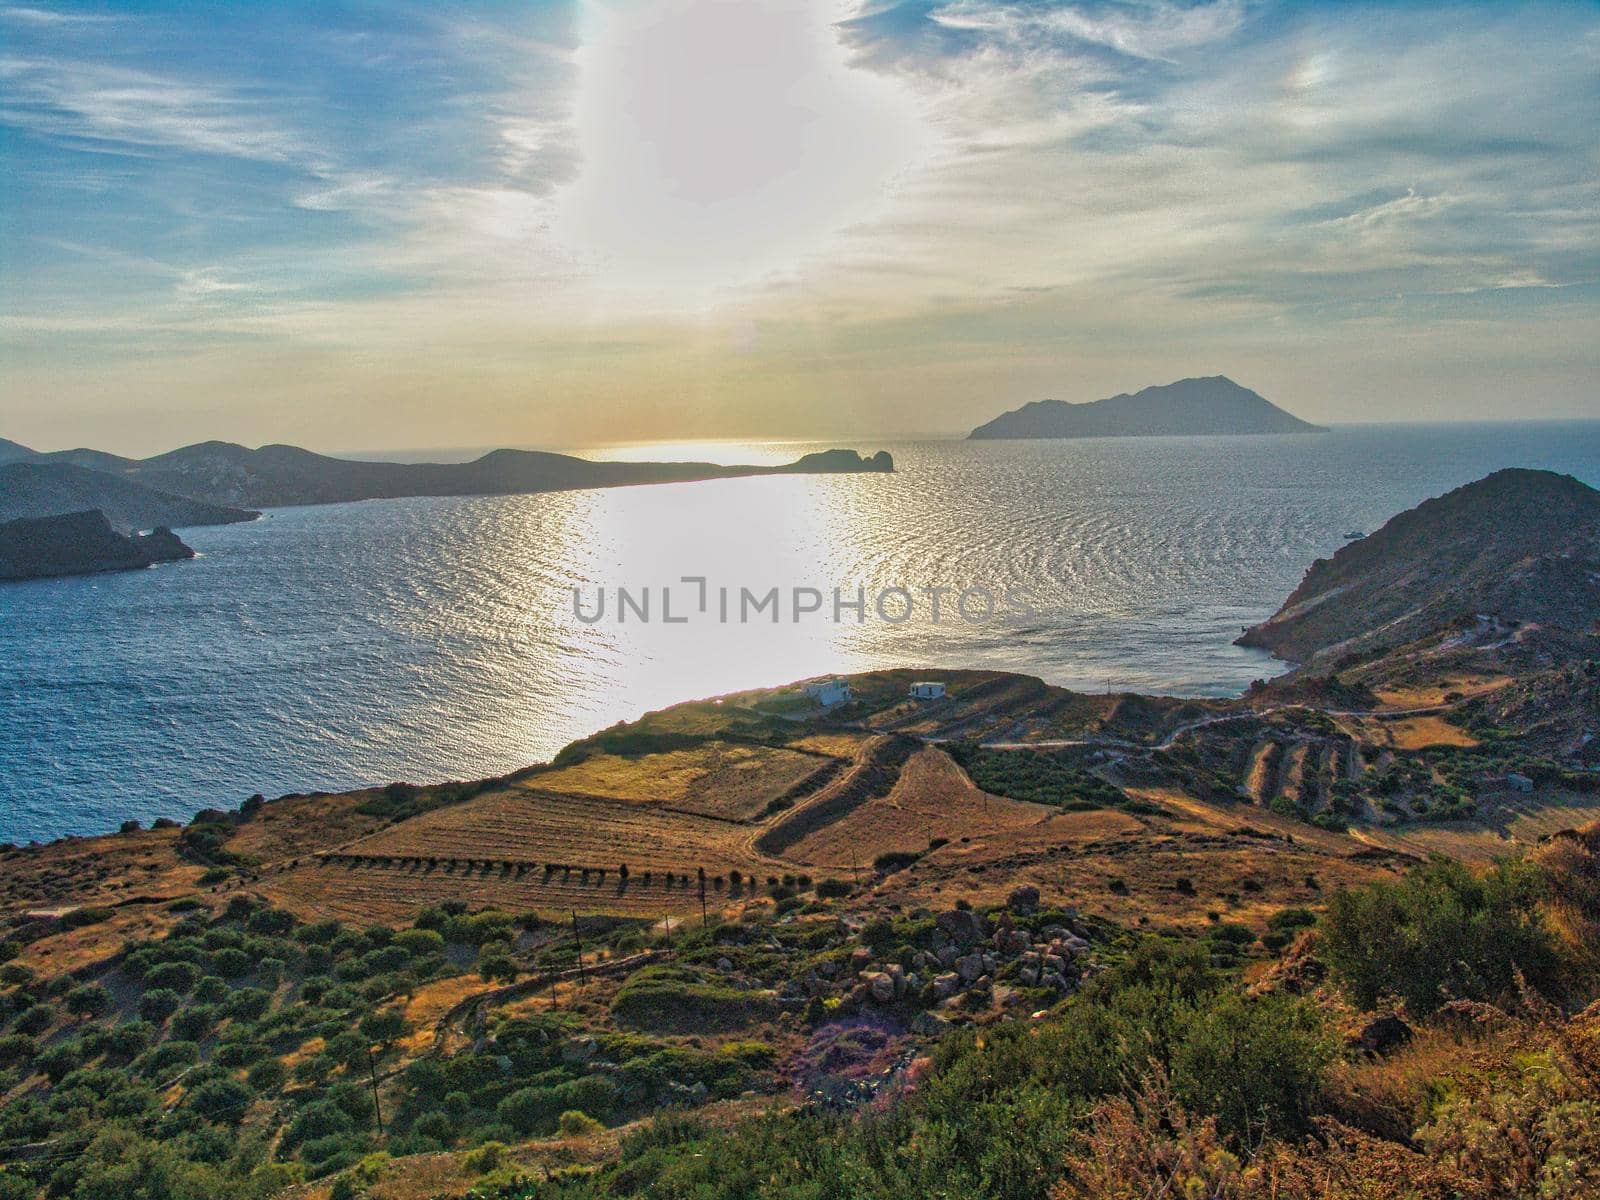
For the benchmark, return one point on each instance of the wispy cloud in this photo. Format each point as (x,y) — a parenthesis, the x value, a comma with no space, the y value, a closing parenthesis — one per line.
(921,202)
(89,102)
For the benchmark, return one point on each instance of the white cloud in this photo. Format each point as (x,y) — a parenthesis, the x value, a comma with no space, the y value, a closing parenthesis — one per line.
(131,109)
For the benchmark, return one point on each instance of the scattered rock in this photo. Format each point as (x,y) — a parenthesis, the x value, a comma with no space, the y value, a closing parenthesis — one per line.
(1383,1034)
(880,985)
(969,967)
(962,926)
(579,1049)
(1024,900)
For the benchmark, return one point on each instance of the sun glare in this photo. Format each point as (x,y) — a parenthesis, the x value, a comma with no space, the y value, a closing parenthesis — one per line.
(724,140)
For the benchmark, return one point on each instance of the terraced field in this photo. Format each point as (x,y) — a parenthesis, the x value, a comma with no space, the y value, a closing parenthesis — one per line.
(527,826)
(716,778)
(932,798)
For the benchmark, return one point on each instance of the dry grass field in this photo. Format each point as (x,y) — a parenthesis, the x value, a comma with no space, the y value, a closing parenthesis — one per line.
(932,798)
(716,778)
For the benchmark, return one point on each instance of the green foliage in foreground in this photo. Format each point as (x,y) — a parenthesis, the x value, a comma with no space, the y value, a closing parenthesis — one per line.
(1002,1107)
(1441,933)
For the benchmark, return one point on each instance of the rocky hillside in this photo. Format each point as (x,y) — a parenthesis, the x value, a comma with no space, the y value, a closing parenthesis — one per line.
(1518,546)
(1214,405)
(80,544)
(50,488)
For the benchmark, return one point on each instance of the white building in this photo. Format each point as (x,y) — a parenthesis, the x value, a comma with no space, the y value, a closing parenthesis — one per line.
(927,690)
(829,692)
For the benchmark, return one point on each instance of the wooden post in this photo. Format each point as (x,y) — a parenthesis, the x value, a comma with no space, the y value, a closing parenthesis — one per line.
(372,1071)
(578,940)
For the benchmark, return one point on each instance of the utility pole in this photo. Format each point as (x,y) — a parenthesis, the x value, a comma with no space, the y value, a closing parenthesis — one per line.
(704,920)
(578,940)
(372,1071)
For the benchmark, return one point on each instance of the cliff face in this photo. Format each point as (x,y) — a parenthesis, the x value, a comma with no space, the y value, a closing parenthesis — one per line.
(1518,545)
(78,544)
(1214,405)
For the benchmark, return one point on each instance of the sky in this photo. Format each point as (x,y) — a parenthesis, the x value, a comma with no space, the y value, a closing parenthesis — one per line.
(399,225)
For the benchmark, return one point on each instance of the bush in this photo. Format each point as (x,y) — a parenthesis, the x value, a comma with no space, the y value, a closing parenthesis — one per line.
(496,967)
(194,1022)
(88,1000)
(485,1158)
(833,889)
(157,1005)
(385,1025)
(1439,933)
(268,1075)
(532,1110)
(17,1048)
(231,962)
(1256,1065)
(248,1004)
(576,1123)
(221,1100)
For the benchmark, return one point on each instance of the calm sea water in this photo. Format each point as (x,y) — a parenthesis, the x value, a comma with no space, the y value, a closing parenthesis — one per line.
(434,639)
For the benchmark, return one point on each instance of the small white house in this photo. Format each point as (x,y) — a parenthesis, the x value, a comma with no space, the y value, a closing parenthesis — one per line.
(829,692)
(927,690)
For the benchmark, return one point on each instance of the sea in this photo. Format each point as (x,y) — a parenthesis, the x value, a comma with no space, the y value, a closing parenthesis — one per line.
(330,647)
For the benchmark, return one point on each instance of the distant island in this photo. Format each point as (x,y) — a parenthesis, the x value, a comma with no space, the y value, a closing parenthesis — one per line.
(1189,407)
(219,482)
(80,543)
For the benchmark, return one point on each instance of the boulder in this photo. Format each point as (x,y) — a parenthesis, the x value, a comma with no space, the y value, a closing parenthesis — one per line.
(1383,1034)
(1023,900)
(860,958)
(969,967)
(725,965)
(1028,976)
(961,926)
(1012,942)
(579,1050)
(946,985)
(880,985)
(930,1025)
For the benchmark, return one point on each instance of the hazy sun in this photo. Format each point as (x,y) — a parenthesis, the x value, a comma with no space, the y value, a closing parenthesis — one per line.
(723,140)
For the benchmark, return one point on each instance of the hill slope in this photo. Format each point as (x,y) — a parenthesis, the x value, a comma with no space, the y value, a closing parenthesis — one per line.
(1518,545)
(43,489)
(1213,405)
(228,474)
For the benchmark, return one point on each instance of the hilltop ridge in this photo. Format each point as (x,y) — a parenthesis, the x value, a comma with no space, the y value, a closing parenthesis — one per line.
(1518,546)
(232,476)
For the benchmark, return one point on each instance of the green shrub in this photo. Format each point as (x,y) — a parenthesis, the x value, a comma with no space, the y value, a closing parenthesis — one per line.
(268,1075)
(575,1123)
(89,1000)
(159,1004)
(1440,932)
(669,997)
(1256,1065)
(221,1100)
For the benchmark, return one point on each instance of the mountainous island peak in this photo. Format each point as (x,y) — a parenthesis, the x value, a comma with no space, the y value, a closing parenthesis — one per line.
(1212,405)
